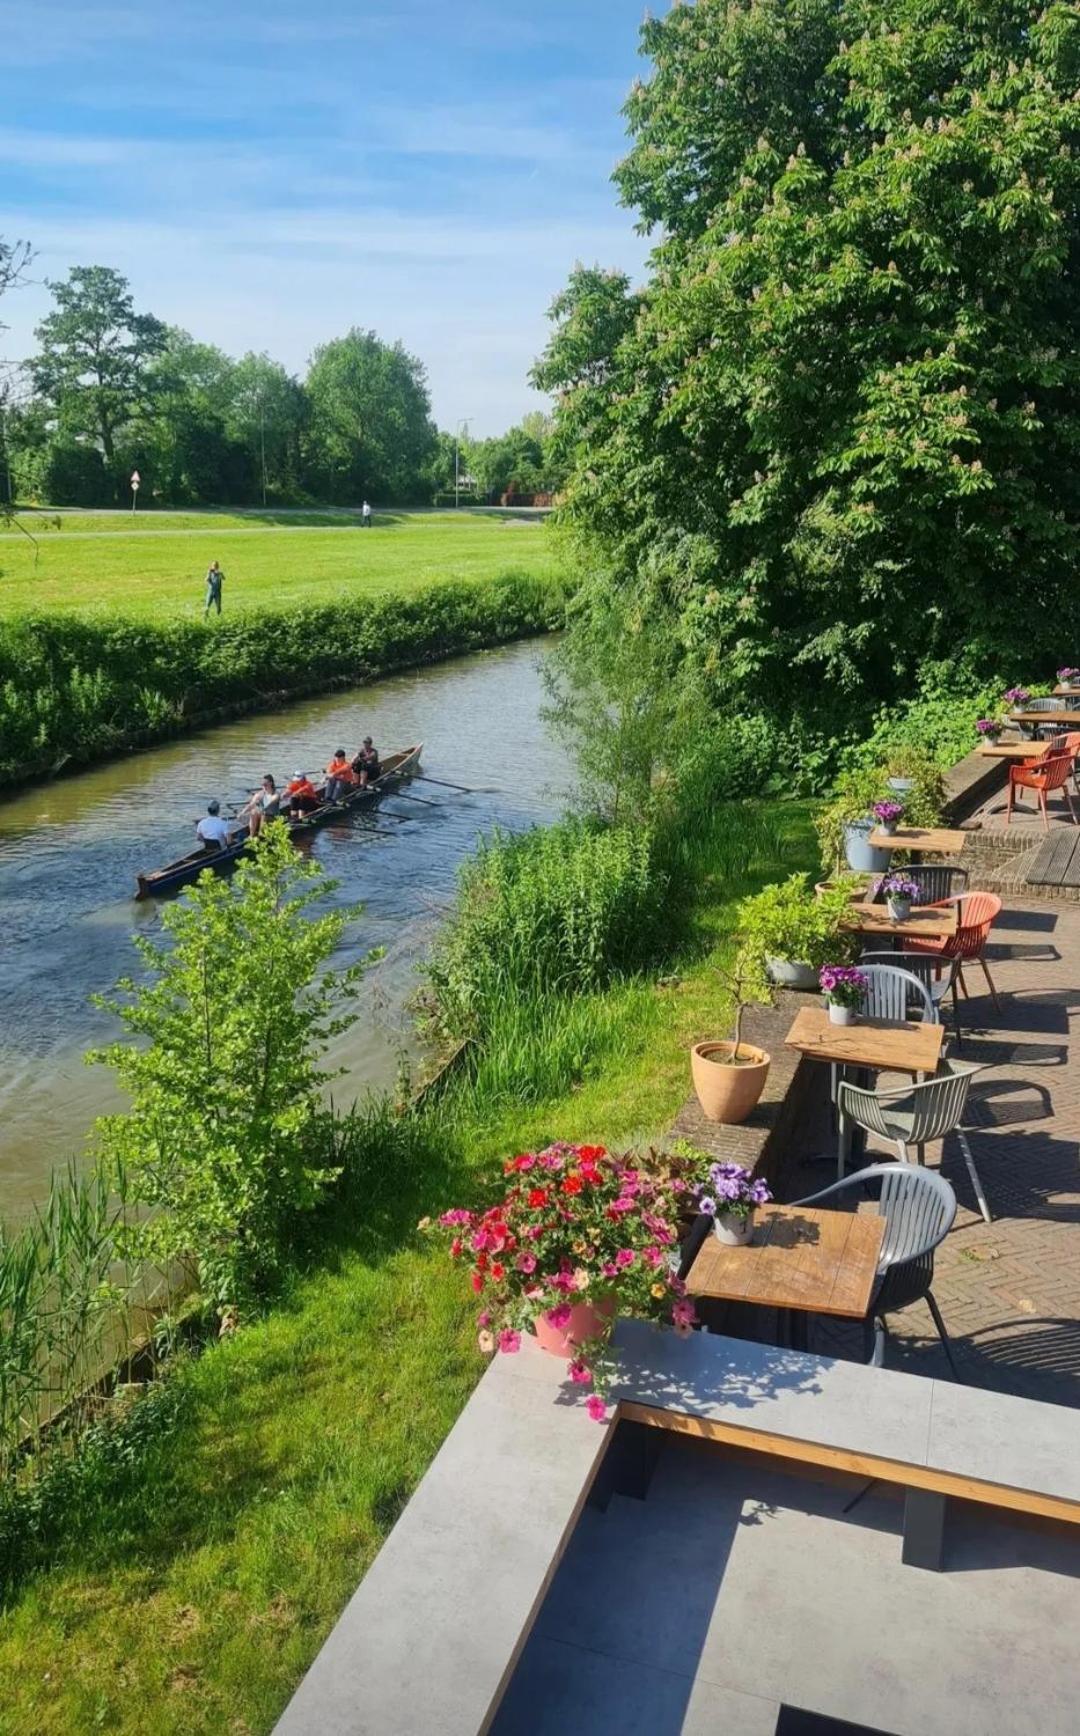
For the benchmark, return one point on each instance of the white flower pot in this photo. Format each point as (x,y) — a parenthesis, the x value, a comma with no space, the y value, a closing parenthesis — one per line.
(787,974)
(841,1015)
(732,1231)
(899,909)
(902,786)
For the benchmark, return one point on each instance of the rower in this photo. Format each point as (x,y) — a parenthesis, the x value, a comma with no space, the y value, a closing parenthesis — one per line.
(212,831)
(262,805)
(366,763)
(302,795)
(340,777)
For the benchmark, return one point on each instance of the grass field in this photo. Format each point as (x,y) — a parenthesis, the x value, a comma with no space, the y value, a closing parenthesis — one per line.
(111,563)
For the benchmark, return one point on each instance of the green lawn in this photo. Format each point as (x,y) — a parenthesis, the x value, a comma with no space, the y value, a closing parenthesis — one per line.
(202,1578)
(99,563)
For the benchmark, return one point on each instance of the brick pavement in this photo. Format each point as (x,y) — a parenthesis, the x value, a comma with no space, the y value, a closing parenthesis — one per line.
(1010,1290)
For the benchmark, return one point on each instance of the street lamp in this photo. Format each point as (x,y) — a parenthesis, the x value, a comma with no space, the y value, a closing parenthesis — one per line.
(463,424)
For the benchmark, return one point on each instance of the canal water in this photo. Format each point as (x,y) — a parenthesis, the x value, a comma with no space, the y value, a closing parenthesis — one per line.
(70,850)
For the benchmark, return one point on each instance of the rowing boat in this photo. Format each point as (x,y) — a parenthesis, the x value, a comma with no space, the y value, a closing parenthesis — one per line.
(397,769)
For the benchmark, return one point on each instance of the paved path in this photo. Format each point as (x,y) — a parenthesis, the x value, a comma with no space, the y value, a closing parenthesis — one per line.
(1010,1290)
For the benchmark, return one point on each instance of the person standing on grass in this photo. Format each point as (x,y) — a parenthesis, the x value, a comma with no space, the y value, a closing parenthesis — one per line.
(365,516)
(214,579)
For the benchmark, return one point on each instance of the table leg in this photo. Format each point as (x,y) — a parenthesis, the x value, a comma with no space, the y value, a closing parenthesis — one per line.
(924,1529)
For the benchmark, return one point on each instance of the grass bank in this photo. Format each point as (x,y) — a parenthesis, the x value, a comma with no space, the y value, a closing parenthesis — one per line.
(151,568)
(76,689)
(187,1575)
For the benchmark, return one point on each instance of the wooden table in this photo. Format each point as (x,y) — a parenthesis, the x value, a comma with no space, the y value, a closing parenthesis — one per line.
(919,838)
(1014,750)
(1031,718)
(927,921)
(882,1045)
(800,1259)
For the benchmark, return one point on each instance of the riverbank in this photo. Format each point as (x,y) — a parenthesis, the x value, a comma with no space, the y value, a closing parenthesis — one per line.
(198,1569)
(77,690)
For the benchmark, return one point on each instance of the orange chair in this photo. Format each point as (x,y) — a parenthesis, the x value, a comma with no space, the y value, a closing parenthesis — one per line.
(976,913)
(1052,772)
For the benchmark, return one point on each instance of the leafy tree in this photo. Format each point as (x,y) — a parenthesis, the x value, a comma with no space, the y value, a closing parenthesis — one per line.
(371,428)
(835,433)
(94,363)
(14,257)
(268,416)
(181,443)
(225,1140)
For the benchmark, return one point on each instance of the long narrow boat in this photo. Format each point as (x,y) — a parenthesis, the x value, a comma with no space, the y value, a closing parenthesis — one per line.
(397,769)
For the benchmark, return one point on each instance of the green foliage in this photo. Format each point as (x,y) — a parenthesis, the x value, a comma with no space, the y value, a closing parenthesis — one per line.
(84,688)
(788,921)
(832,438)
(853,797)
(223,1143)
(372,430)
(556,911)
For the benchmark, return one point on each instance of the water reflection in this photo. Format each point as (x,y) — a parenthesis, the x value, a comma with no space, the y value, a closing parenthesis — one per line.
(70,850)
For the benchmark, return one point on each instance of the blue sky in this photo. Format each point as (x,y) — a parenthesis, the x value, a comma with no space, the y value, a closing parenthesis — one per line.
(268,174)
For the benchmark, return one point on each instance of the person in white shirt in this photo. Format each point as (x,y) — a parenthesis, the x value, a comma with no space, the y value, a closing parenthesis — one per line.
(365,514)
(211,831)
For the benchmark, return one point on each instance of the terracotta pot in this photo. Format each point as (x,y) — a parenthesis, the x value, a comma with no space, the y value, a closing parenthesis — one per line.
(587,1320)
(726,1092)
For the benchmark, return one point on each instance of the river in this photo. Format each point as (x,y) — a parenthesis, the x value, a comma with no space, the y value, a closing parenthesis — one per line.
(70,850)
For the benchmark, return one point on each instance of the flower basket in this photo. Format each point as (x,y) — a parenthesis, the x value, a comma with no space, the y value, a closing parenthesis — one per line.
(587,1322)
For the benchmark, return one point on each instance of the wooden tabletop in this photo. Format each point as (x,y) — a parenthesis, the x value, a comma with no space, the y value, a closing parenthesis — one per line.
(1030,717)
(901,1045)
(937,838)
(800,1257)
(1014,749)
(1059,689)
(928,921)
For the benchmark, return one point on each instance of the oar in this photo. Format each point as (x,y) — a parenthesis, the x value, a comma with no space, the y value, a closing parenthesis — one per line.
(422,778)
(428,803)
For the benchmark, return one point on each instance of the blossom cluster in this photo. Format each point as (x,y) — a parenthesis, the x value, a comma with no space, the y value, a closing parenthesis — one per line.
(1067,674)
(896,885)
(989,726)
(734,1192)
(576,1225)
(843,984)
(1017,696)
(887,812)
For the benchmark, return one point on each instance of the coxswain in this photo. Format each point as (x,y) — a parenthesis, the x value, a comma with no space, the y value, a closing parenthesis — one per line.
(340,777)
(366,764)
(212,831)
(302,795)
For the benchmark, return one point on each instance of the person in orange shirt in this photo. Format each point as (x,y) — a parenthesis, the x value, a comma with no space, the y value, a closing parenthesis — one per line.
(340,777)
(301,794)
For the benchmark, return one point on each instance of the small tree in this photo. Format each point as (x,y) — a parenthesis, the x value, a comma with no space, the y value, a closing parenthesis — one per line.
(226,1139)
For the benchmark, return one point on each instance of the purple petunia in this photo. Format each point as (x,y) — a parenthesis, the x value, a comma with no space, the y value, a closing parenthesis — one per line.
(734,1191)
(897,885)
(1017,695)
(1067,674)
(988,726)
(887,812)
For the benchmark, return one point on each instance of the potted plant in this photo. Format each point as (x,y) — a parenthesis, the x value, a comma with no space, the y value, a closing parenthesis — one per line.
(1068,677)
(790,932)
(843,987)
(578,1236)
(899,891)
(729,1198)
(845,823)
(729,1077)
(1017,697)
(989,728)
(902,767)
(889,815)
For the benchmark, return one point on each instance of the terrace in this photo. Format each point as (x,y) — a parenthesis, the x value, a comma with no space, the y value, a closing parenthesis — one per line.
(770,1539)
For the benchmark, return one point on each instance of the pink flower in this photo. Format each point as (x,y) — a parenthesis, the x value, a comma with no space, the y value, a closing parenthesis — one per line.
(509,1341)
(526,1263)
(532,1291)
(683,1329)
(653,1256)
(683,1313)
(580,1373)
(562,1281)
(486,1342)
(560,1315)
(457,1216)
(609,1269)
(624,1258)
(622,1204)
(481,1240)
(484,1319)
(596,1408)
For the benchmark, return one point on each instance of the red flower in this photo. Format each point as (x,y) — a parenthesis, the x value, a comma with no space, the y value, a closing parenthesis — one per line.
(538,1196)
(477,1281)
(498,1270)
(455,1247)
(572,1184)
(589,1153)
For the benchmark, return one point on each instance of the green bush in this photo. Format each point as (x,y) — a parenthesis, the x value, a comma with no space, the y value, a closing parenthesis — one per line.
(78,689)
(786,921)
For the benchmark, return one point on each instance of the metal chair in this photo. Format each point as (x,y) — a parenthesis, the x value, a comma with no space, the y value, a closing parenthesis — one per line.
(937,880)
(919,1208)
(891,991)
(936,976)
(1052,702)
(912,1115)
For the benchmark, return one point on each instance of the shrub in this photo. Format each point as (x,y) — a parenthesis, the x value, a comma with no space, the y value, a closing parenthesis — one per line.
(786,921)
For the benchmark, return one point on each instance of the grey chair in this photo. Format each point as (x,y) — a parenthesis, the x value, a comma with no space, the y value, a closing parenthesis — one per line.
(912,1115)
(1052,702)
(936,976)
(919,1208)
(892,992)
(937,880)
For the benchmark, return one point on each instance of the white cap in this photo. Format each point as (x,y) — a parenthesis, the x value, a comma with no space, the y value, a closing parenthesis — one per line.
(299,774)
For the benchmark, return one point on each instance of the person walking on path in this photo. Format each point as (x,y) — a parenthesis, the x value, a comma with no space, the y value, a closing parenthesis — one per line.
(214,579)
(365,516)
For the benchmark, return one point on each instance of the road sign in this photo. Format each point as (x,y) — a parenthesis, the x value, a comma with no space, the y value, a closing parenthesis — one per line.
(135,479)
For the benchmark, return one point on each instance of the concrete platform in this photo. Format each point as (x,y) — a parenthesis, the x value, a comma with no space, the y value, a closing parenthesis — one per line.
(735,1589)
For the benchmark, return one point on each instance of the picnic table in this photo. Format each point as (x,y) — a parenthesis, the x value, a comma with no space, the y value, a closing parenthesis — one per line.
(800,1260)
(926,922)
(942,840)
